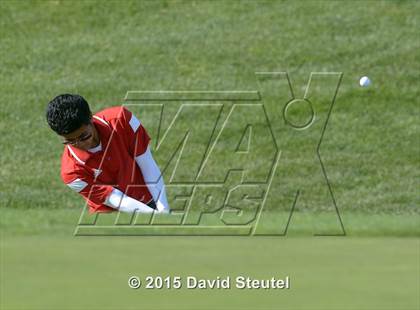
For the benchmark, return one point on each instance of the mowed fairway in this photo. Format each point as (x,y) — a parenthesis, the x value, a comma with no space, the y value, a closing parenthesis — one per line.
(102,50)
(325,273)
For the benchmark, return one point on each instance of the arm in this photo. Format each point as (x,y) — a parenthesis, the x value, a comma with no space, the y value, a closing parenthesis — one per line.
(83,183)
(123,203)
(154,180)
(138,144)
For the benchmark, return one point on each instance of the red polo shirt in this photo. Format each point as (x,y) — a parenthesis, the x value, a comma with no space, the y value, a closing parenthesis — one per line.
(93,175)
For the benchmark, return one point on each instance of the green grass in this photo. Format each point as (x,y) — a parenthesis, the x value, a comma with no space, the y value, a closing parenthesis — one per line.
(325,273)
(104,49)
(370,147)
(358,224)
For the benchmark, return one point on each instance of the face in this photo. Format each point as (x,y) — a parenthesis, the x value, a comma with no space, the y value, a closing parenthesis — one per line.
(84,138)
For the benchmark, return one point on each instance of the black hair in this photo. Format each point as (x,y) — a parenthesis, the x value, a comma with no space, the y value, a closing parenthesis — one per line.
(67,113)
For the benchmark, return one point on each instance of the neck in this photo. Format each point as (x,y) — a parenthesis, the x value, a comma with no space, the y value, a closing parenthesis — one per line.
(96,138)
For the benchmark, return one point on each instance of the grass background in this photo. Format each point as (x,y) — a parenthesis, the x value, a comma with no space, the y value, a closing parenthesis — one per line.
(103,49)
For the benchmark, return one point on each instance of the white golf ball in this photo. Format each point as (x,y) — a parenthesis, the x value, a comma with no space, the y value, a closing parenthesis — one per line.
(364,81)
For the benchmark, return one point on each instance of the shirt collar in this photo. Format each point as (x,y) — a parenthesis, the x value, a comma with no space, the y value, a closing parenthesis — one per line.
(104,130)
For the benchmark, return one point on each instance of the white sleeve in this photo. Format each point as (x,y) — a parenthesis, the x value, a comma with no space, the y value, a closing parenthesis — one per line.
(154,180)
(120,201)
